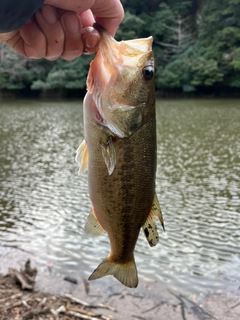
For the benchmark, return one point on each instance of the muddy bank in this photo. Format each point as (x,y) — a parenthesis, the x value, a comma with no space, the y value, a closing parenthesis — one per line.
(50,298)
(17,303)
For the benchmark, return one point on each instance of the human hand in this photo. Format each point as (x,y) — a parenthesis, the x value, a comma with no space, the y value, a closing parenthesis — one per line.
(58,32)
(108,13)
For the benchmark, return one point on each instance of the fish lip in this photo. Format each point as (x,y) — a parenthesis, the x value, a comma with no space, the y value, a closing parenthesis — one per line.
(98,27)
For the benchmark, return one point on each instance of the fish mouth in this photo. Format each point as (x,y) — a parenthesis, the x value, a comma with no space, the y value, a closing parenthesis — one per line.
(126,53)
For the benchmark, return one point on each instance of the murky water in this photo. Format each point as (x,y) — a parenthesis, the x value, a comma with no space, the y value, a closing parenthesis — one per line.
(44,204)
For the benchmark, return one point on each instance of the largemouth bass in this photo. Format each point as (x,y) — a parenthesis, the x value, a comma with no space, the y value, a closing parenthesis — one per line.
(119,151)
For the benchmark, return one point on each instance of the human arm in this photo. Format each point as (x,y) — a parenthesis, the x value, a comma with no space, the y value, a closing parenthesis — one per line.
(13,14)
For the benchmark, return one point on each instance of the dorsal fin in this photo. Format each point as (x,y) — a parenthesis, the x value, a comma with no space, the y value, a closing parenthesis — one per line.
(156,210)
(149,227)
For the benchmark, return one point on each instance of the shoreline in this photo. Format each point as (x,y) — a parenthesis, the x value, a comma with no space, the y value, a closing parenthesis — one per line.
(70,95)
(144,303)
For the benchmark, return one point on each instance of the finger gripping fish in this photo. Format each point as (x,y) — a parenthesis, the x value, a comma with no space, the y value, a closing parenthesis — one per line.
(119,151)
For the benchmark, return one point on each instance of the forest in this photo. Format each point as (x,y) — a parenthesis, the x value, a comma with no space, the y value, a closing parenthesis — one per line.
(196,48)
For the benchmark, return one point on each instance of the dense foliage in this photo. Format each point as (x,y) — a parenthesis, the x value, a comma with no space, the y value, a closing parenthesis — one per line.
(196,45)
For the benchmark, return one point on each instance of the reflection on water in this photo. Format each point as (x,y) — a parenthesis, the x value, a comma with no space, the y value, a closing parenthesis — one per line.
(44,204)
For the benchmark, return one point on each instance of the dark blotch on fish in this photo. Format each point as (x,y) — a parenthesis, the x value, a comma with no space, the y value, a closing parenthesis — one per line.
(146,232)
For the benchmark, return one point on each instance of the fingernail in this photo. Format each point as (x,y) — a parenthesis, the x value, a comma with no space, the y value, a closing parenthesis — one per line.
(90,39)
(72,23)
(49,14)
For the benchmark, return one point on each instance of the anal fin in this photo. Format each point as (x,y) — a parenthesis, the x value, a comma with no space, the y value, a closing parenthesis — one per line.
(92,226)
(82,157)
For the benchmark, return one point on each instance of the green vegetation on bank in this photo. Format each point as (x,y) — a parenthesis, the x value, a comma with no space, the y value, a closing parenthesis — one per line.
(196,46)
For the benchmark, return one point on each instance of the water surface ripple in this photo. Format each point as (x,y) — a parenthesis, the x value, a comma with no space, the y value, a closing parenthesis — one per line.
(44,204)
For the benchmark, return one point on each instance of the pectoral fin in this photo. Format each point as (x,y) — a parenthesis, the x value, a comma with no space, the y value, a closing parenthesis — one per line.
(92,226)
(149,227)
(109,155)
(82,157)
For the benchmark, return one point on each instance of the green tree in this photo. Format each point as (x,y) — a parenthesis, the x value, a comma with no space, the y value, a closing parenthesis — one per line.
(65,74)
(18,72)
(196,44)
(205,72)
(219,34)
(132,27)
(137,7)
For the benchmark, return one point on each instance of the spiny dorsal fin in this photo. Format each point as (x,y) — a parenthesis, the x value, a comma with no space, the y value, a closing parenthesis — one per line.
(92,226)
(156,210)
(82,157)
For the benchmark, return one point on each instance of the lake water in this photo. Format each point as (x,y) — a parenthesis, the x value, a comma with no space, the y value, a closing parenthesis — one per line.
(44,203)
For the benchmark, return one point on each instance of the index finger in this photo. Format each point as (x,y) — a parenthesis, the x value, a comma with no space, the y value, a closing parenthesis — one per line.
(109,14)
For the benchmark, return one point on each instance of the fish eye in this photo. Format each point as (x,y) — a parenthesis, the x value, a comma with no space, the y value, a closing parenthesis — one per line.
(148,72)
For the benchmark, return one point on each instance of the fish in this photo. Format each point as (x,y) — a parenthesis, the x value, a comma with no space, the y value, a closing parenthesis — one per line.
(119,152)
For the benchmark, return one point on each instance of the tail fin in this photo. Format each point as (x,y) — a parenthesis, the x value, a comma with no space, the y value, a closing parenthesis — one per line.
(125,273)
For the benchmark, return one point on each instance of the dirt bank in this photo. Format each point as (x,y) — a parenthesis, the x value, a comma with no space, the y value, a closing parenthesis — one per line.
(24,304)
(55,298)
